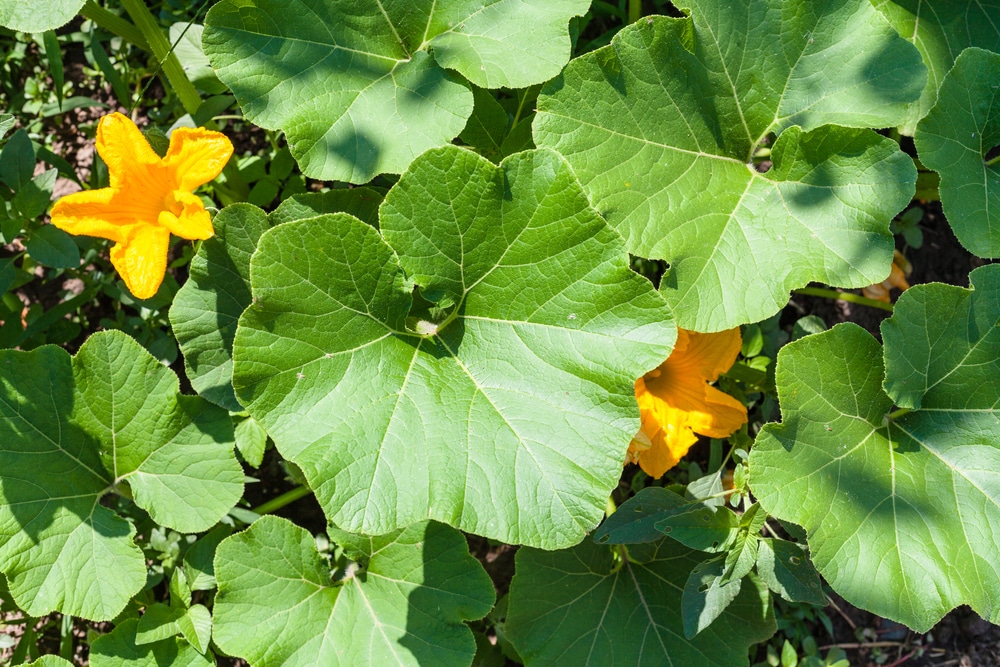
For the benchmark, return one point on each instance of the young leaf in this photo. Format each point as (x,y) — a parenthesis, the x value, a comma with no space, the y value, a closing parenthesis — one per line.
(941,30)
(277,604)
(119,649)
(17,161)
(701,527)
(524,396)
(635,521)
(707,594)
(662,125)
(899,508)
(50,661)
(787,570)
(575,607)
(53,247)
(361,87)
(74,429)
(955,138)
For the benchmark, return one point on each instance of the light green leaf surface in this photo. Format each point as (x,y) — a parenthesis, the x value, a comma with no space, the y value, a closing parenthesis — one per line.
(50,661)
(941,29)
(206,309)
(523,398)
(574,607)
(75,428)
(119,649)
(360,87)
(954,140)
(34,16)
(901,512)
(661,127)
(277,604)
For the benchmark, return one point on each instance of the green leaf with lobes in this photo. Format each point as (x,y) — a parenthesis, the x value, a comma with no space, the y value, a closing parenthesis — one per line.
(361,87)
(662,125)
(579,607)
(407,606)
(523,395)
(206,309)
(901,508)
(958,138)
(941,30)
(73,429)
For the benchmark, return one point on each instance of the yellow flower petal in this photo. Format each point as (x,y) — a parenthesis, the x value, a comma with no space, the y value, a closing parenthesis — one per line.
(197,155)
(123,148)
(676,402)
(148,199)
(193,222)
(89,213)
(142,260)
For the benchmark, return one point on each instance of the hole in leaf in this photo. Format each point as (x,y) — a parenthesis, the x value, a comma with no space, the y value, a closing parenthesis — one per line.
(992,154)
(703,588)
(794,560)
(666,530)
(706,517)
(603,538)
(715,545)
(638,508)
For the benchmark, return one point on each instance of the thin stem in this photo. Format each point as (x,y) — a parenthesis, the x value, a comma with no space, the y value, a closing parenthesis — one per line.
(994,161)
(634,10)
(896,414)
(114,24)
(286,498)
(610,508)
(843,296)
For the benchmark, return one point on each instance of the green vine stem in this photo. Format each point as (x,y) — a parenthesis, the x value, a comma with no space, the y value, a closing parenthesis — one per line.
(286,498)
(114,24)
(994,161)
(843,296)
(896,414)
(634,10)
(162,51)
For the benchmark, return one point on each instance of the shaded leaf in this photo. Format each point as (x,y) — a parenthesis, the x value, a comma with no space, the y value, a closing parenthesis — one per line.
(574,607)
(787,570)
(955,138)
(901,509)
(119,649)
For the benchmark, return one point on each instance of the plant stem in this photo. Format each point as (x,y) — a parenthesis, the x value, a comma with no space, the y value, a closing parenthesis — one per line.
(843,296)
(114,24)
(286,498)
(610,508)
(163,52)
(634,10)
(896,414)
(994,161)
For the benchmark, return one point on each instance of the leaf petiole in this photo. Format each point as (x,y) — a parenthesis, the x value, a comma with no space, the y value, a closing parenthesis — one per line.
(843,296)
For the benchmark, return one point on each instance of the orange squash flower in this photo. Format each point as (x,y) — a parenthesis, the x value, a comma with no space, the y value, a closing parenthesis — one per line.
(676,401)
(149,198)
(899,271)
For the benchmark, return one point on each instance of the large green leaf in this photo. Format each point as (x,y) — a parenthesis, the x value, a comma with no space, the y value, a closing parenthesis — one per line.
(34,16)
(119,649)
(955,138)
(518,396)
(662,125)
(577,607)
(206,309)
(109,419)
(941,30)
(360,87)
(902,507)
(277,604)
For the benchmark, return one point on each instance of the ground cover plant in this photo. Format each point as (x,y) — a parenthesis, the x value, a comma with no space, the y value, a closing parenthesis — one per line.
(542,332)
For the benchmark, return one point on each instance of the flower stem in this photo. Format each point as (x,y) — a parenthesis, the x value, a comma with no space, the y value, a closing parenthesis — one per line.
(843,296)
(286,498)
(160,47)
